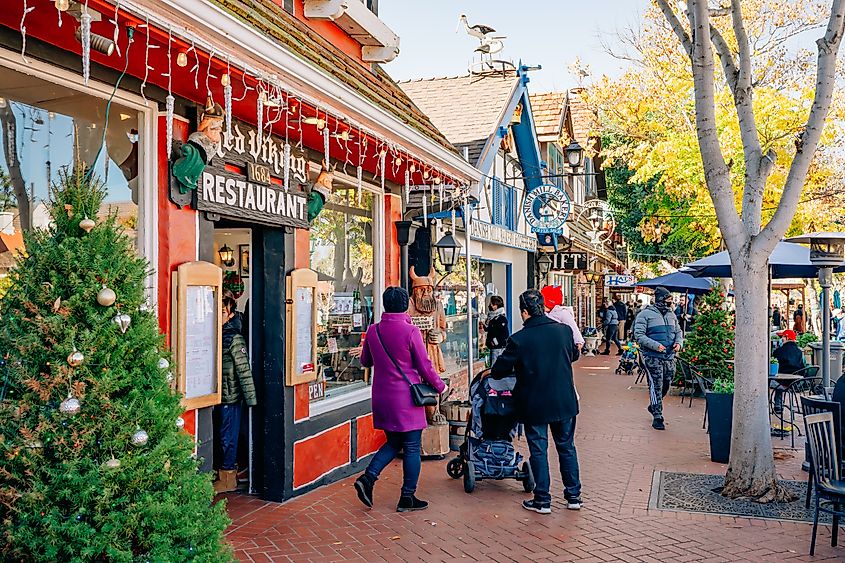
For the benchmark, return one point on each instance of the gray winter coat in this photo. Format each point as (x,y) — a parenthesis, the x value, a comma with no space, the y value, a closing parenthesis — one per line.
(653,329)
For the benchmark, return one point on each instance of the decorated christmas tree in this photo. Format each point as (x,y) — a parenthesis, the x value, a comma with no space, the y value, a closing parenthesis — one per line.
(94,465)
(711,341)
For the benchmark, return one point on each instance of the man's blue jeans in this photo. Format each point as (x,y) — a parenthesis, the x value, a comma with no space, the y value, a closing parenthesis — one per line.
(410,444)
(230,427)
(563,433)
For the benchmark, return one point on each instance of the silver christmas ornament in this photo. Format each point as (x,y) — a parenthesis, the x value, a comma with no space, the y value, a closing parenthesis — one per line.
(70,405)
(122,321)
(75,359)
(112,463)
(34,444)
(140,438)
(163,363)
(180,422)
(87,225)
(170,377)
(106,297)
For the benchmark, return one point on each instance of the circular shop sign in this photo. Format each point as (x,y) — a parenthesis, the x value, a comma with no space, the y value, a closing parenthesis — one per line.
(599,216)
(546,209)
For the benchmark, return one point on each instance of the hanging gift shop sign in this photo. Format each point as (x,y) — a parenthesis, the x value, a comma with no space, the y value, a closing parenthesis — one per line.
(244,180)
(572,261)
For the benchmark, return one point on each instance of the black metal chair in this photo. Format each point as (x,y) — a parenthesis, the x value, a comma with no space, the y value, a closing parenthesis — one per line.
(825,465)
(688,383)
(705,384)
(816,406)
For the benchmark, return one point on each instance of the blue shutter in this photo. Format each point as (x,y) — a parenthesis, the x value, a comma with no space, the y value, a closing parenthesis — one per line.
(496,215)
(511,208)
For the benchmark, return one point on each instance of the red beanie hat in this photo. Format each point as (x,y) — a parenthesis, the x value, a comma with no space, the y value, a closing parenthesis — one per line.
(552,295)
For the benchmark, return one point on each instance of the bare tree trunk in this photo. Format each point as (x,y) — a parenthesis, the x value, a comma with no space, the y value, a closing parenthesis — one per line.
(751,471)
(10,150)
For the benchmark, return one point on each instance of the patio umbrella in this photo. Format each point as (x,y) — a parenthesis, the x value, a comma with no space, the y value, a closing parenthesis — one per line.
(680,282)
(788,260)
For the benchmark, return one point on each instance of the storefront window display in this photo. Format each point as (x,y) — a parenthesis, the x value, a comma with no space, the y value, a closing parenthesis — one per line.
(45,127)
(452,293)
(342,253)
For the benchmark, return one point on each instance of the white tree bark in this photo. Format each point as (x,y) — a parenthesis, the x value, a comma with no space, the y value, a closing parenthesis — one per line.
(751,471)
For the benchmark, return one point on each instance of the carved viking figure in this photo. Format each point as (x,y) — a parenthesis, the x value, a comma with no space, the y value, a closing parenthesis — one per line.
(320,190)
(425,305)
(201,147)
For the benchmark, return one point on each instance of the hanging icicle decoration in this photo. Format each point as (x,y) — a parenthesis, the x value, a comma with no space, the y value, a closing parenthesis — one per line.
(147,66)
(326,137)
(58,12)
(169,101)
(286,166)
(196,68)
(382,157)
(440,197)
(425,205)
(85,39)
(116,28)
(26,11)
(208,75)
(407,189)
(453,216)
(227,101)
(359,183)
(260,120)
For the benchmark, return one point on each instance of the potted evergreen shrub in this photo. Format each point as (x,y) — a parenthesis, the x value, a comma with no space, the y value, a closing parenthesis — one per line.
(708,348)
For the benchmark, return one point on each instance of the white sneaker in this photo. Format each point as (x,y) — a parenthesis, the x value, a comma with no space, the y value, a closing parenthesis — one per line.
(574,504)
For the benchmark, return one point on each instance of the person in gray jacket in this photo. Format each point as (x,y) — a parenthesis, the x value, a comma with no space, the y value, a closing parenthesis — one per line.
(657,332)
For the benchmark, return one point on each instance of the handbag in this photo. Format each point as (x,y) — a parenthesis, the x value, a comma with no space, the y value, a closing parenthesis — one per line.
(422,394)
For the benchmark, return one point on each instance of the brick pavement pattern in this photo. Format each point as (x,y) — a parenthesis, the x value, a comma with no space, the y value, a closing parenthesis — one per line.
(619,453)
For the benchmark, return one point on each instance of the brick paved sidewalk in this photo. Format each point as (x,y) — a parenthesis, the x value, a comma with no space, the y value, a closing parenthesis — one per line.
(618,451)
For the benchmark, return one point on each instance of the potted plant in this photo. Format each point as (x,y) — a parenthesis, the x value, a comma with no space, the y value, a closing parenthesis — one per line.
(720,404)
(774,366)
(591,340)
(804,340)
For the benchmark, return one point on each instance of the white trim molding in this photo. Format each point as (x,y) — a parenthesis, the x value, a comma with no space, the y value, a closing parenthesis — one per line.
(380,44)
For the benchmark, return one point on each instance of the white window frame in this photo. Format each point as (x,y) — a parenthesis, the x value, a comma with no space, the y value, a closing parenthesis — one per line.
(365,393)
(148,137)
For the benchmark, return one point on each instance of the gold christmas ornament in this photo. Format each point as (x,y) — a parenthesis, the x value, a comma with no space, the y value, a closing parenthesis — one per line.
(182,59)
(112,463)
(70,405)
(140,438)
(75,359)
(87,225)
(122,321)
(106,297)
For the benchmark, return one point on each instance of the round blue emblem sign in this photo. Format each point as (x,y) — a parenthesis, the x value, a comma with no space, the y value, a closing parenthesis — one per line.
(546,209)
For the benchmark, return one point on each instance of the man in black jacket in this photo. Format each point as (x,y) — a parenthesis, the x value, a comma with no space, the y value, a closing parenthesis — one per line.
(541,356)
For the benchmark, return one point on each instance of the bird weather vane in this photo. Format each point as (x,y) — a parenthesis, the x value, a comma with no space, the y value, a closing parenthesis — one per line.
(489,44)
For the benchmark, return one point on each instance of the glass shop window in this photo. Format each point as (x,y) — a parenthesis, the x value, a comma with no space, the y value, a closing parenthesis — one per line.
(461,310)
(342,255)
(45,128)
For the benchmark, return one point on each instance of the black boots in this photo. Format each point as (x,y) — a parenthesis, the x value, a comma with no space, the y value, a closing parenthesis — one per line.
(657,424)
(364,488)
(411,503)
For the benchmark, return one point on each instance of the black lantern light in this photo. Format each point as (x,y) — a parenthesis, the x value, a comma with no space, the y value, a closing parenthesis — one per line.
(448,250)
(574,154)
(544,264)
(227,256)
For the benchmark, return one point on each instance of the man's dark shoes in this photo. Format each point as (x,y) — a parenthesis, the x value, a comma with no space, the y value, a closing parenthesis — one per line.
(411,503)
(574,503)
(657,424)
(606,353)
(538,507)
(650,409)
(364,488)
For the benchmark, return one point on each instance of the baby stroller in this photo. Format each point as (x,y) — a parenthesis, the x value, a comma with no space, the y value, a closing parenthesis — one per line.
(487,451)
(628,359)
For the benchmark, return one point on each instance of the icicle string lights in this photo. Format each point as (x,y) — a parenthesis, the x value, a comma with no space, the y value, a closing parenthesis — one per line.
(407,189)
(227,101)
(117,29)
(260,120)
(169,101)
(286,166)
(359,184)
(85,38)
(326,144)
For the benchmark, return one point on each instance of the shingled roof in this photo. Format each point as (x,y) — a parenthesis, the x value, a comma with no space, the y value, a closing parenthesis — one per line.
(466,109)
(374,85)
(584,120)
(547,110)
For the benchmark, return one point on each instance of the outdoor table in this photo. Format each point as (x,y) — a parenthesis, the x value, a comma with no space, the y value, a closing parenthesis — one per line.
(785,382)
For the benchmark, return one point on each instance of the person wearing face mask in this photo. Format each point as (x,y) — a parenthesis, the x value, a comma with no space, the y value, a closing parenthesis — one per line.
(657,332)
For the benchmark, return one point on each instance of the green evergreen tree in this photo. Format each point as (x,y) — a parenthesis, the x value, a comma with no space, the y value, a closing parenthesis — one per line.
(711,341)
(93,464)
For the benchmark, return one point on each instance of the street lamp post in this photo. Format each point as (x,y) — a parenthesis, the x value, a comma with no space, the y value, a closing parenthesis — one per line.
(544,266)
(827,251)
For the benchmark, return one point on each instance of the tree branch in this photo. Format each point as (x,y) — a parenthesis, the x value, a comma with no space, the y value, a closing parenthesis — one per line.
(809,140)
(677,27)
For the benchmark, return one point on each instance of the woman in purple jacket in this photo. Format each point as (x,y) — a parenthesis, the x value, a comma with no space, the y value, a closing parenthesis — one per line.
(393,409)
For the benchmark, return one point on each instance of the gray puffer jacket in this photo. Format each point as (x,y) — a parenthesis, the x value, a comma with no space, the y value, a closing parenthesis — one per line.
(652,328)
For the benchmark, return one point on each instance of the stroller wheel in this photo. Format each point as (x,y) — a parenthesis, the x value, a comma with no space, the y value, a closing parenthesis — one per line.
(469,477)
(455,468)
(528,480)
(618,371)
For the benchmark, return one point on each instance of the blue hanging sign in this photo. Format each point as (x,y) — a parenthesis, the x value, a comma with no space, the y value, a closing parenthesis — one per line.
(546,209)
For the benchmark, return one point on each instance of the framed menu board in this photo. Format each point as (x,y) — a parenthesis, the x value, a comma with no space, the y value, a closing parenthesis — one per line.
(197,333)
(301,334)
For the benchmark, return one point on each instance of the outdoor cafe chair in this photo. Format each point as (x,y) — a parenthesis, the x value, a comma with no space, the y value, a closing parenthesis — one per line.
(687,381)
(811,406)
(825,465)
(705,384)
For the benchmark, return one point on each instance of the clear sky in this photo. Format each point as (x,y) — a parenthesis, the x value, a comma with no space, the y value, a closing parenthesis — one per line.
(551,33)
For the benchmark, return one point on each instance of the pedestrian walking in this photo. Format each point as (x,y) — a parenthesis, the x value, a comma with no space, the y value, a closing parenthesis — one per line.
(541,356)
(553,301)
(611,329)
(396,349)
(237,388)
(496,327)
(777,320)
(799,321)
(657,332)
(629,318)
(621,315)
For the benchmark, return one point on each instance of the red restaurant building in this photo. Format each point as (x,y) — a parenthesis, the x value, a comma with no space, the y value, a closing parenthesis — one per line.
(112,82)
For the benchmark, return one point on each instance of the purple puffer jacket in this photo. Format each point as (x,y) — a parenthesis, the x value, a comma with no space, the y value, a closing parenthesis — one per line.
(393,408)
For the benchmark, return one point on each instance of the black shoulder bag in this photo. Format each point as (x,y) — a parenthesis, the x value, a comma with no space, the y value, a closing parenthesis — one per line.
(423,394)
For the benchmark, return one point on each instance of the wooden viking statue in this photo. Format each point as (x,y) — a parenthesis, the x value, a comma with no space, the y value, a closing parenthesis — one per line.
(425,305)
